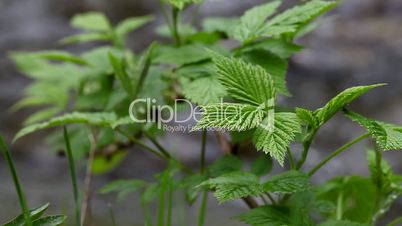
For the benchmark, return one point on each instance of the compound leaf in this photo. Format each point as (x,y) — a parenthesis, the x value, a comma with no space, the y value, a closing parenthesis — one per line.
(341,223)
(341,100)
(262,165)
(34,214)
(266,216)
(226,164)
(91,21)
(292,20)
(122,187)
(236,117)
(387,136)
(204,90)
(276,139)
(253,20)
(234,185)
(98,119)
(50,220)
(355,195)
(288,182)
(274,65)
(130,24)
(245,82)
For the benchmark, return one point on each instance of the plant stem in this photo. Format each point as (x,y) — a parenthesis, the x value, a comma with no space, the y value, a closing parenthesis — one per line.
(204,200)
(140,143)
(165,16)
(202,157)
(306,148)
(339,206)
(148,221)
(250,201)
(176,35)
(153,151)
(88,180)
(378,160)
(161,211)
(18,187)
(271,198)
(395,222)
(170,206)
(291,160)
(145,64)
(378,183)
(201,215)
(111,213)
(264,199)
(337,152)
(73,176)
(158,145)
(227,149)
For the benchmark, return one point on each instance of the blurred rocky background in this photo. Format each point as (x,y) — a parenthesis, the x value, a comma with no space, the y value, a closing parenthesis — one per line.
(358,43)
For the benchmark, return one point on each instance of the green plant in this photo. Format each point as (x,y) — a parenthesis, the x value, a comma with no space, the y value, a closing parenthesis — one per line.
(93,91)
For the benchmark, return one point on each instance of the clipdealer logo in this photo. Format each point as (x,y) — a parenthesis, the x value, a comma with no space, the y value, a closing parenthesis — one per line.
(147,110)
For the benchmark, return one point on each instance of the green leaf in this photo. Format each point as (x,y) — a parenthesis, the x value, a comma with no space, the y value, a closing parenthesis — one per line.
(354,196)
(79,140)
(204,90)
(236,117)
(50,221)
(87,37)
(122,187)
(262,165)
(307,116)
(98,119)
(274,65)
(60,56)
(219,24)
(341,223)
(385,168)
(121,74)
(387,136)
(98,58)
(150,193)
(34,214)
(341,100)
(104,164)
(292,20)
(225,164)
(276,140)
(42,115)
(266,216)
(280,47)
(287,182)
(234,185)
(324,207)
(184,30)
(91,21)
(245,82)
(190,185)
(181,3)
(253,20)
(180,55)
(130,24)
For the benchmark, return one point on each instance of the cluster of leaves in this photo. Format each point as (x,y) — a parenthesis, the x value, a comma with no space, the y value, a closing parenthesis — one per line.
(91,92)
